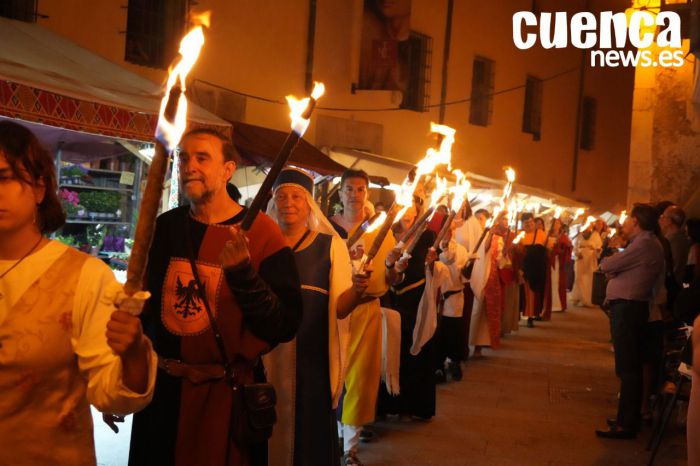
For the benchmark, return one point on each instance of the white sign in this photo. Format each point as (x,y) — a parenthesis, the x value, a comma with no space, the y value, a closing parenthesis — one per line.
(587,31)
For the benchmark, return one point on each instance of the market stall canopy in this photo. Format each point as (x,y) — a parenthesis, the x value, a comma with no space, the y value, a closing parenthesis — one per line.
(45,78)
(259,146)
(392,169)
(542,196)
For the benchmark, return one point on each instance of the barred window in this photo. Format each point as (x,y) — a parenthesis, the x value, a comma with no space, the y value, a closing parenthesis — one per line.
(481,103)
(23,10)
(532,111)
(588,120)
(418,50)
(153,31)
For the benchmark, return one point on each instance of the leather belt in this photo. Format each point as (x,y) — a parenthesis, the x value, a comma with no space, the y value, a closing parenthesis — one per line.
(447,294)
(195,373)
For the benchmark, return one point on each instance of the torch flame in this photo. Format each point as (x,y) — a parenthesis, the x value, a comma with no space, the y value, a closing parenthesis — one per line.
(318,90)
(613,232)
(439,191)
(432,159)
(496,212)
(379,221)
(508,188)
(460,190)
(170,133)
(513,211)
(557,212)
(402,212)
(297,108)
(520,236)
(578,213)
(589,220)
(623,217)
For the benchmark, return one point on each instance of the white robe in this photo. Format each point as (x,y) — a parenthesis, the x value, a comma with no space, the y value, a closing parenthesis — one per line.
(454,258)
(588,249)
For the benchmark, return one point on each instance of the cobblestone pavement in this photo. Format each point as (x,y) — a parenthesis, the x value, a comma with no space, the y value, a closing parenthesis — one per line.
(535,401)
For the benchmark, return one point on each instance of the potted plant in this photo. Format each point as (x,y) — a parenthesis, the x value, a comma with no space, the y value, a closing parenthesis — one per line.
(74,174)
(91,203)
(70,202)
(111,204)
(95,237)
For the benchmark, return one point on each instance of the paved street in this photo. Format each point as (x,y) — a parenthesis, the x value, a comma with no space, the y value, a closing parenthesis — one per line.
(535,401)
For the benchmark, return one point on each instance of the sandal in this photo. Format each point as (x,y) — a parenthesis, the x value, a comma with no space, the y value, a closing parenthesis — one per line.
(350,459)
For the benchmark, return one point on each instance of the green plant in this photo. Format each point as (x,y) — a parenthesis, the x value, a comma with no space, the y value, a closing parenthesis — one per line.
(95,235)
(100,201)
(74,170)
(68,240)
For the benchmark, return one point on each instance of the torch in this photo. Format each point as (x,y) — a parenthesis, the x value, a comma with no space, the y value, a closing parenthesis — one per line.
(172,123)
(459,199)
(577,214)
(512,219)
(404,198)
(589,220)
(519,237)
(300,112)
(424,218)
(421,224)
(623,217)
(379,239)
(367,226)
(469,266)
(435,198)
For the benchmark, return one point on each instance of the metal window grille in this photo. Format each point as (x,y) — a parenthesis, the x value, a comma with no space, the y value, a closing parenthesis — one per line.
(23,10)
(588,122)
(532,111)
(419,52)
(481,103)
(153,30)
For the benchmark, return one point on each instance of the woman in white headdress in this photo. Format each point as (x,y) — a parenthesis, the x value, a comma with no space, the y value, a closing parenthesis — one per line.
(306,433)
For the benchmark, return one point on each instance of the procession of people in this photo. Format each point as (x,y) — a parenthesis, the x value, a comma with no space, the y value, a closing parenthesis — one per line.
(295,310)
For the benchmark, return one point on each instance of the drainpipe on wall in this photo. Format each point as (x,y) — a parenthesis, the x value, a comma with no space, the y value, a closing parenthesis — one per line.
(579,107)
(445,60)
(311,36)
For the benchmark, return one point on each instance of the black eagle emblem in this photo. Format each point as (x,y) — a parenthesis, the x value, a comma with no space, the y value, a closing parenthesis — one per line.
(188,302)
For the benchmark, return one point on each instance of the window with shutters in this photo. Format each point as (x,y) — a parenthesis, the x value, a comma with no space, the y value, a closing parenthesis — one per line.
(481,102)
(153,31)
(532,110)
(417,55)
(588,119)
(23,10)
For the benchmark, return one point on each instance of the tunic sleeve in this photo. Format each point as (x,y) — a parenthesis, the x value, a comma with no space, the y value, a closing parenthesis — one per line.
(102,369)
(270,299)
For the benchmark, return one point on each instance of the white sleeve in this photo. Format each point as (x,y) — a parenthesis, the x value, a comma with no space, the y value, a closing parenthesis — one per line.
(341,271)
(461,256)
(448,256)
(98,364)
